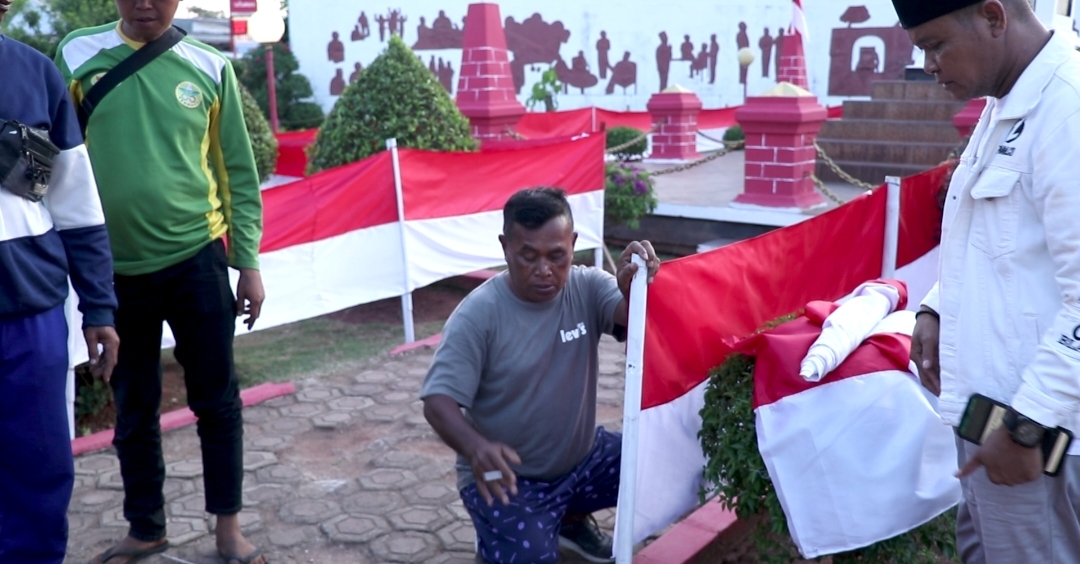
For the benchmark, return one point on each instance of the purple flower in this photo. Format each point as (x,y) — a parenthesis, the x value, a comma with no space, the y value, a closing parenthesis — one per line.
(640,187)
(619,180)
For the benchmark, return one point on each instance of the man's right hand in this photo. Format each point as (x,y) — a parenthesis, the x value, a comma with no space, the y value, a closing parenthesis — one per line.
(924,350)
(494,457)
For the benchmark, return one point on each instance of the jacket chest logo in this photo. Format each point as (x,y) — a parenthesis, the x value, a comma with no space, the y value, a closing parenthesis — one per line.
(189,95)
(1013,135)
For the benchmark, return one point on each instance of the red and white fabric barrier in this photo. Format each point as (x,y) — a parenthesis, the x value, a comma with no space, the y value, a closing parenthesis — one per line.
(339,238)
(700,306)
(864,438)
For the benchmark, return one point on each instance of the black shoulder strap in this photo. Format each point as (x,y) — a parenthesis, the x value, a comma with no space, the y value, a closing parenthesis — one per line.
(126,68)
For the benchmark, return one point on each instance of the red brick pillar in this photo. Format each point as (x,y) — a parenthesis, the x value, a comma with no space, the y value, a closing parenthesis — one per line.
(964,121)
(793,62)
(674,115)
(780,156)
(486,93)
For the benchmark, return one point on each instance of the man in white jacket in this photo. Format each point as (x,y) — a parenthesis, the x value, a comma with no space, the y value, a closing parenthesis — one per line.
(1004,317)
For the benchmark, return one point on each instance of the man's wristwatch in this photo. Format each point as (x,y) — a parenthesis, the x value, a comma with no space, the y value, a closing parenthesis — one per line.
(1023,431)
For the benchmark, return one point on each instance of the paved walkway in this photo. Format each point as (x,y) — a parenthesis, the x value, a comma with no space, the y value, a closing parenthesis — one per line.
(347,471)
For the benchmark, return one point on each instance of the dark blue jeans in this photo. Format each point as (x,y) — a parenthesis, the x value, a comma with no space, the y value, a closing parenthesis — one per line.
(527,530)
(36,470)
(195,298)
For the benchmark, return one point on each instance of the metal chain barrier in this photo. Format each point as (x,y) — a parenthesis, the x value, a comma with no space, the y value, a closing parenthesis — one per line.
(839,171)
(630,143)
(826,192)
(691,165)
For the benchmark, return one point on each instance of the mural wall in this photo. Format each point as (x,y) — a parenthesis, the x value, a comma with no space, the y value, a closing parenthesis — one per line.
(615,55)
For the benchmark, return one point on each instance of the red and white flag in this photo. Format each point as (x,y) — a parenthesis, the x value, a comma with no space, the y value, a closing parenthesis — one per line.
(700,305)
(861,455)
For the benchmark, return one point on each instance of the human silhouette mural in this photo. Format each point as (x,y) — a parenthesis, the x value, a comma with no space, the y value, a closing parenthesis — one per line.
(742,40)
(883,53)
(714,54)
(576,75)
(700,62)
(444,71)
(686,50)
(533,42)
(356,72)
(603,45)
(623,74)
(335,50)
(443,34)
(382,21)
(778,49)
(361,31)
(663,60)
(337,84)
(766,46)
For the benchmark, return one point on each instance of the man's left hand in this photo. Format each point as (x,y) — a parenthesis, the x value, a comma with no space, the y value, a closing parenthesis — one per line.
(625,270)
(1007,463)
(249,295)
(102,363)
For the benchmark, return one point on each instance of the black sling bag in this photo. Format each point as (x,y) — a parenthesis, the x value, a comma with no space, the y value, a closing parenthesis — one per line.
(124,69)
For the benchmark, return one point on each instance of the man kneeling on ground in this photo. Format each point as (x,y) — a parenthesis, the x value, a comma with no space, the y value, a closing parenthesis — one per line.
(520,356)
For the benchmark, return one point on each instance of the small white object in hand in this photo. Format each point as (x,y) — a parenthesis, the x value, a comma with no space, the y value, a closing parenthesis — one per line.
(493,476)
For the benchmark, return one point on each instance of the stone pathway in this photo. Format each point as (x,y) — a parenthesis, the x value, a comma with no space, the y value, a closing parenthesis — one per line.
(347,471)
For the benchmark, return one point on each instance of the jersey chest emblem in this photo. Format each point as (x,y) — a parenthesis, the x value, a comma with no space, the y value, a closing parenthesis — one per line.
(189,95)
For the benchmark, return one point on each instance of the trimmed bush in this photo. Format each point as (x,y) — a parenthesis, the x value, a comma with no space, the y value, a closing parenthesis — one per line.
(396,97)
(295,103)
(734,133)
(263,142)
(628,194)
(736,473)
(622,135)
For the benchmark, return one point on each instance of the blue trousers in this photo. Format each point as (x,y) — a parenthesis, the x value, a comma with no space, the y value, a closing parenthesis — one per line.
(527,530)
(36,468)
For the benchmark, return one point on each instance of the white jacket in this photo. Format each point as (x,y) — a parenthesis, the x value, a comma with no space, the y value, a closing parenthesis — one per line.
(1008,290)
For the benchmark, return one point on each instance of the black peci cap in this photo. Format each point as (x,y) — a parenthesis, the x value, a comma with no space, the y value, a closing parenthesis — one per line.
(917,12)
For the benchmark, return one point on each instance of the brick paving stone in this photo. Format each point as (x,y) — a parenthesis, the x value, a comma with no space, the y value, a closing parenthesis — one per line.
(253,460)
(430,494)
(286,426)
(285,538)
(349,403)
(354,528)
(302,409)
(78,522)
(280,401)
(182,530)
(259,414)
(383,413)
(279,474)
(400,459)
(191,468)
(334,489)
(96,464)
(316,394)
(308,511)
(110,480)
(266,494)
(114,517)
(394,397)
(372,502)
(455,558)
(375,377)
(95,501)
(420,518)
(193,505)
(332,420)
(410,546)
(364,390)
(387,479)
(250,522)
(457,536)
(266,443)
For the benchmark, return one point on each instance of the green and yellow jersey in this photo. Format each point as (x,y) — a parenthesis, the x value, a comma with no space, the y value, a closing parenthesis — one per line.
(170,151)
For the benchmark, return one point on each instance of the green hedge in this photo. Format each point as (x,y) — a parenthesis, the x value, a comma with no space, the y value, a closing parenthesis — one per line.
(622,135)
(396,97)
(263,142)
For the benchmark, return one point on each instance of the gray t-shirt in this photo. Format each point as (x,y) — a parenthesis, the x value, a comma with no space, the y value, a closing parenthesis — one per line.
(526,372)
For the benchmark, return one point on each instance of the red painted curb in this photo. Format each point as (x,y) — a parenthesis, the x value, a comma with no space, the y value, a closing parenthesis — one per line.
(182,417)
(688,538)
(432,341)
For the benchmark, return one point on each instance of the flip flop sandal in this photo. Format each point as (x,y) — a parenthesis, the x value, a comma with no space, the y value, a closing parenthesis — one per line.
(236,558)
(135,553)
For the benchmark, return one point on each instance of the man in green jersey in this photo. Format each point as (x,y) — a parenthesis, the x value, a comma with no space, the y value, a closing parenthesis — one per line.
(176,174)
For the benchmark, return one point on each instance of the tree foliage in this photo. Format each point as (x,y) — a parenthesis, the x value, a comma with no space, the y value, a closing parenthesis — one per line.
(736,473)
(296,109)
(263,142)
(395,97)
(44,24)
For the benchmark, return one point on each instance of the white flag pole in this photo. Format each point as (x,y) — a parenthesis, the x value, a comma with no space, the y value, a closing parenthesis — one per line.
(635,353)
(892,226)
(406,298)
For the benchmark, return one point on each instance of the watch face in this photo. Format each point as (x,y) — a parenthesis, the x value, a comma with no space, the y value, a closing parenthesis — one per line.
(1028,433)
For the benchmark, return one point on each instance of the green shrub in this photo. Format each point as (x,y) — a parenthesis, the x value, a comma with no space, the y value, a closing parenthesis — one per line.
(736,473)
(628,194)
(546,91)
(621,135)
(734,133)
(263,142)
(396,97)
(92,395)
